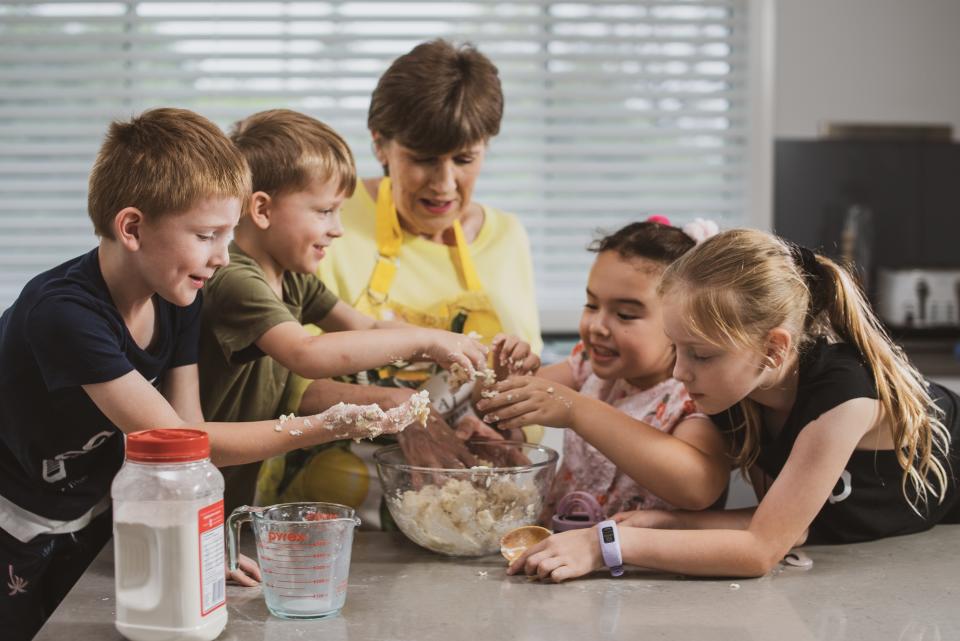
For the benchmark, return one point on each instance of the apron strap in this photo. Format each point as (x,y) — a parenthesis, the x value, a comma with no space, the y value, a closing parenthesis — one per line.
(389,237)
(464,260)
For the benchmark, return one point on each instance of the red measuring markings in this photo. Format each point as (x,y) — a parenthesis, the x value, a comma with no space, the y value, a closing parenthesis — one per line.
(302,556)
(308,567)
(307,582)
(315,595)
(319,516)
(279,555)
(285,553)
(292,546)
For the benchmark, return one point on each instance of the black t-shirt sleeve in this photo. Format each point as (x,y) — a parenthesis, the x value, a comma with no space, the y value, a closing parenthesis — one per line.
(186,342)
(75,343)
(834,375)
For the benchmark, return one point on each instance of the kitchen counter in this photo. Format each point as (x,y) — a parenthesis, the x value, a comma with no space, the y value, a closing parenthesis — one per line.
(899,588)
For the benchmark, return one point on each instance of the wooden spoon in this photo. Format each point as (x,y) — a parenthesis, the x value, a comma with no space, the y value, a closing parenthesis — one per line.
(515,542)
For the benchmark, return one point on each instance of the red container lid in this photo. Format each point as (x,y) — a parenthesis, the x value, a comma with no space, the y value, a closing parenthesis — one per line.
(168,446)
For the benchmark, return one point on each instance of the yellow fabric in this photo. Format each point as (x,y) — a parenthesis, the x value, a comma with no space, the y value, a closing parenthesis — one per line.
(424,278)
(334,474)
(389,233)
(467,270)
(472,307)
(501,249)
(388,273)
(427,278)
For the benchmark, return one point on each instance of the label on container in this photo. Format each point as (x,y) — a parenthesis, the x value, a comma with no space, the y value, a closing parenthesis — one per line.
(212,575)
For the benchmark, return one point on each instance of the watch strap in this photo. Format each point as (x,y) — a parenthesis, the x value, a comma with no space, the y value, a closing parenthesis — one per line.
(609,537)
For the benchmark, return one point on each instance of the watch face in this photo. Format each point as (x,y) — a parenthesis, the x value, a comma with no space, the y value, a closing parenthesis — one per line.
(607,534)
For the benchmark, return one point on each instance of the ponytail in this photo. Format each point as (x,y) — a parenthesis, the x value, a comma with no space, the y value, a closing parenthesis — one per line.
(742,283)
(916,421)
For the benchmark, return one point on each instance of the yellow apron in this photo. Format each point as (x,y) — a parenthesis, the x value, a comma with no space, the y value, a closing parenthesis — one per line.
(471,311)
(341,472)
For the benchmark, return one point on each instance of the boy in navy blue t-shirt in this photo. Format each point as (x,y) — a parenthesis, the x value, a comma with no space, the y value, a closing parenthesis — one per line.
(106,344)
(107,340)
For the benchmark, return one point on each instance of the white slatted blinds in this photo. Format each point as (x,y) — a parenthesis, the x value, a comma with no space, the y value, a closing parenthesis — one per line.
(614,110)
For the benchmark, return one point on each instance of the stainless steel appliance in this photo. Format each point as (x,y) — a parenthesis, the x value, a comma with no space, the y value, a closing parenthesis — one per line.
(920,298)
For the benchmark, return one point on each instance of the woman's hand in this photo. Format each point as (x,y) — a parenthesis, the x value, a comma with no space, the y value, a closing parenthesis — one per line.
(471,427)
(447,349)
(528,400)
(247,573)
(434,445)
(561,556)
(511,355)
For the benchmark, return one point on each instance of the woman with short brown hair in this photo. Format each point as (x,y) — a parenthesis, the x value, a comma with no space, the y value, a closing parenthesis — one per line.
(418,248)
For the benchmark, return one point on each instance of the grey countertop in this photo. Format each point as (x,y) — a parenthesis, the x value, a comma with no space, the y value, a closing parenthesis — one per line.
(904,588)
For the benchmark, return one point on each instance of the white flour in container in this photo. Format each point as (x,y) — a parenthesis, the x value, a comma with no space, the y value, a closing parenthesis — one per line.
(159,547)
(463,519)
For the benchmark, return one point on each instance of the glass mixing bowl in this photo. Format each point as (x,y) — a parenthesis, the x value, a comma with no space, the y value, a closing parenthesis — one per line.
(464,512)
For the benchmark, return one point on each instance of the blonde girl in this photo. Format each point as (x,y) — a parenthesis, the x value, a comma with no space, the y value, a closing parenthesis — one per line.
(843,439)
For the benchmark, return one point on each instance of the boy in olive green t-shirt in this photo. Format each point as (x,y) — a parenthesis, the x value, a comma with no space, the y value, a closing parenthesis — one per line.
(252,333)
(238,382)
(240,308)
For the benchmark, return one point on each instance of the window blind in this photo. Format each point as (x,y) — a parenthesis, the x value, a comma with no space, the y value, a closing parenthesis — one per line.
(614,110)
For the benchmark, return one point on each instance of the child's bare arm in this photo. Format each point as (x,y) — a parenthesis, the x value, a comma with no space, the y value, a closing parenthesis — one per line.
(131,403)
(558,373)
(815,463)
(181,388)
(347,352)
(324,393)
(688,468)
(738,519)
(687,519)
(344,318)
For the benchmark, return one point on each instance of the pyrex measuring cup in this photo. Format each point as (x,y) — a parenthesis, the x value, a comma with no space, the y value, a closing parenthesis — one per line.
(304,555)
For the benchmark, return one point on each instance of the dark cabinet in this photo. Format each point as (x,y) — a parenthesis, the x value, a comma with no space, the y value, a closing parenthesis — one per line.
(940,202)
(912,189)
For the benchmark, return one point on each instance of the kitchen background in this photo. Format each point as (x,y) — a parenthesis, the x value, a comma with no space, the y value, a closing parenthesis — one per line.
(773,99)
(888,196)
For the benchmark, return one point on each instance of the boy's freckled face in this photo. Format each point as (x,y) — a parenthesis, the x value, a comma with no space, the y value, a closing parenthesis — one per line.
(621,324)
(303,224)
(716,378)
(180,252)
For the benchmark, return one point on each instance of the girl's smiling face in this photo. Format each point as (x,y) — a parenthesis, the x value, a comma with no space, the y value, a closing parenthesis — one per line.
(621,325)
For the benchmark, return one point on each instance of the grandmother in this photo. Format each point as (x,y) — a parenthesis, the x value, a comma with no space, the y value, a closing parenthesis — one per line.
(417,248)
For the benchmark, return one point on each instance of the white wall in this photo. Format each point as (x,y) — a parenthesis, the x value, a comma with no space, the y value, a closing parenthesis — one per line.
(865,60)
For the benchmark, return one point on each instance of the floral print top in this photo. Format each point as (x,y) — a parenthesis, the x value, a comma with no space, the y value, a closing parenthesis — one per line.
(584,468)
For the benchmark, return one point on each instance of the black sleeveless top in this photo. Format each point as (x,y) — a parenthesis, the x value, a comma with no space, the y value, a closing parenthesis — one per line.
(867,502)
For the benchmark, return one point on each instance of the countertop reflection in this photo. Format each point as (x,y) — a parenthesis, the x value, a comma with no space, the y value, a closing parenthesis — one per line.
(903,588)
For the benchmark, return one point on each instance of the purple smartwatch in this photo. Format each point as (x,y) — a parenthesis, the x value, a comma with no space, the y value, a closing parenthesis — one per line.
(610,546)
